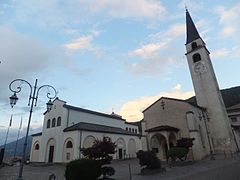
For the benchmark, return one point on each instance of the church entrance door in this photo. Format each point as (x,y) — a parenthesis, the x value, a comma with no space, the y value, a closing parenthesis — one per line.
(51,152)
(120,153)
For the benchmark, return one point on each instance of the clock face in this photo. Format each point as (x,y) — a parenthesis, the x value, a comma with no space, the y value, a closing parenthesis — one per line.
(199,67)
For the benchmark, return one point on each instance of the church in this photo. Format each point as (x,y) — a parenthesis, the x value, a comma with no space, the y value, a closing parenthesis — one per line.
(204,117)
(67,129)
(209,117)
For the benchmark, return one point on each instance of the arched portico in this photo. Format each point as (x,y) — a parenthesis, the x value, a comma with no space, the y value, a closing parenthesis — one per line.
(68,150)
(172,139)
(131,148)
(35,151)
(159,145)
(88,141)
(161,138)
(121,148)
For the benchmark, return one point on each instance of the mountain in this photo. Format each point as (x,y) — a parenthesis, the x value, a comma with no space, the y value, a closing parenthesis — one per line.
(231,96)
(9,151)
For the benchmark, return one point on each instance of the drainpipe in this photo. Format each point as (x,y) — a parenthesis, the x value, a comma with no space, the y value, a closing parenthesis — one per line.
(235,140)
(80,145)
(210,146)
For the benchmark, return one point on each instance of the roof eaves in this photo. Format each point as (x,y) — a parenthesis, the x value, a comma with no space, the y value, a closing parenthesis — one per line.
(92,112)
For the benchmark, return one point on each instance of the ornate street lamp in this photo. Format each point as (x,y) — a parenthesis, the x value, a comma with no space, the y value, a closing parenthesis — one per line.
(13,99)
(33,97)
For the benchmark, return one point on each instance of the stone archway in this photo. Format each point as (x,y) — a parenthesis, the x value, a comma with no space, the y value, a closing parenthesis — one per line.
(132,148)
(172,139)
(88,141)
(50,150)
(159,145)
(68,150)
(35,151)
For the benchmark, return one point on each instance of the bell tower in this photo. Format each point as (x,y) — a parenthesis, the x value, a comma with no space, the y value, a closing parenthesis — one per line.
(207,90)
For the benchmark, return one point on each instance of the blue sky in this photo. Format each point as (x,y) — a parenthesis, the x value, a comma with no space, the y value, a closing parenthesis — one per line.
(109,55)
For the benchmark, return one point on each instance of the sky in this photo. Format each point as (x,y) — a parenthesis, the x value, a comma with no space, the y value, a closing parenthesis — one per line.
(109,55)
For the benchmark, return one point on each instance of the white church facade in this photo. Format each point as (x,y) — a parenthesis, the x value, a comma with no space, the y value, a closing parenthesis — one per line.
(67,129)
(208,118)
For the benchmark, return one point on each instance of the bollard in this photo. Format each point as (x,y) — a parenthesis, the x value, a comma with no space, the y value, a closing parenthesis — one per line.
(130,173)
(52,177)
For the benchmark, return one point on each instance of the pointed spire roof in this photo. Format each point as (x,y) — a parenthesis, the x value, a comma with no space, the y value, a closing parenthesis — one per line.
(192,33)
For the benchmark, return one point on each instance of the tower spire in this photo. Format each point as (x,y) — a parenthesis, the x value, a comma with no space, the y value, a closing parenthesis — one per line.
(192,33)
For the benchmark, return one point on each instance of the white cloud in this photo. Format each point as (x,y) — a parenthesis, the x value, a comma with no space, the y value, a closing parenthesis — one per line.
(175,30)
(149,50)
(132,110)
(177,87)
(85,43)
(219,53)
(230,19)
(21,56)
(146,9)
(81,43)
(191,5)
(156,57)
(61,15)
(153,66)
(228,31)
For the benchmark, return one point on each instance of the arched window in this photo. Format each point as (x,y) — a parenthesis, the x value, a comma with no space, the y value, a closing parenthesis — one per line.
(196,57)
(54,122)
(69,144)
(194,45)
(48,123)
(126,129)
(36,147)
(59,121)
(135,130)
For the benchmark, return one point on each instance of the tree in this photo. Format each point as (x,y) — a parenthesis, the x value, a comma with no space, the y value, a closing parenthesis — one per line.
(181,150)
(100,150)
(148,160)
(185,142)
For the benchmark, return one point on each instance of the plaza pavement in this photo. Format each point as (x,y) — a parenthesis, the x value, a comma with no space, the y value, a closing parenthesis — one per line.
(220,169)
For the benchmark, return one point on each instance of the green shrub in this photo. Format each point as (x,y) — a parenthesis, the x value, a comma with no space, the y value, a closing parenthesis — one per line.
(83,169)
(107,171)
(185,142)
(148,159)
(177,152)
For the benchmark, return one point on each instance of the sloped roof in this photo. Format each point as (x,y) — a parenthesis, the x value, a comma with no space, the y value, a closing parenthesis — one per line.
(192,33)
(37,134)
(174,99)
(162,128)
(93,112)
(98,128)
(231,97)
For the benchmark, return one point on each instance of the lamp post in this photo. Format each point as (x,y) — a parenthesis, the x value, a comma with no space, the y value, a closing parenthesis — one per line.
(32,101)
